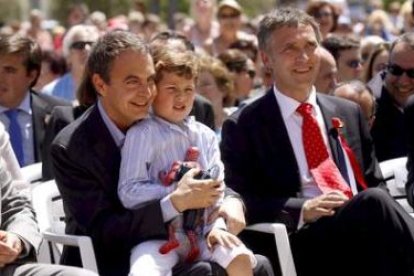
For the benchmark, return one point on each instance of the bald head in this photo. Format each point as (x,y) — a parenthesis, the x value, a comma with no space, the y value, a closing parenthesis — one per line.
(359,93)
(327,77)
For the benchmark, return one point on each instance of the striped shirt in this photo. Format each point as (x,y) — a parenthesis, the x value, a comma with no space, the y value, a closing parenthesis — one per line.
(151,146)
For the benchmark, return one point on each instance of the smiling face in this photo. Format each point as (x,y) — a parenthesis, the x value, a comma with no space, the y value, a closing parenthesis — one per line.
(293,56)
(400,87)
(175,97)
(130,91)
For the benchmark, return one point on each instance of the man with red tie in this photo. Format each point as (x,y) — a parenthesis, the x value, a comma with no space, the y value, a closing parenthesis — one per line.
(307,160)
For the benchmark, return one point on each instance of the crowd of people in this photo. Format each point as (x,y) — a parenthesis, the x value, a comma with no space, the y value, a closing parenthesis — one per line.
(165,144)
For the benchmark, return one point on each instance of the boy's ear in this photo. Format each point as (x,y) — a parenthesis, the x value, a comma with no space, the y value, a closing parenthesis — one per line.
(99,84)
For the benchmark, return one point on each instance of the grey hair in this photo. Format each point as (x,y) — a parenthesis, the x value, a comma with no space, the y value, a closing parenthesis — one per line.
(407,38)
(284,17)
(91,32)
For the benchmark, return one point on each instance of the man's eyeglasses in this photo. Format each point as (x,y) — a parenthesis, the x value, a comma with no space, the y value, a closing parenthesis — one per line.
(80,45)
(398,71)
(241,67)
(355,63)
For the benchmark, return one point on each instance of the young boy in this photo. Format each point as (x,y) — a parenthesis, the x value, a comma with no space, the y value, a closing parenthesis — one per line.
(162,139)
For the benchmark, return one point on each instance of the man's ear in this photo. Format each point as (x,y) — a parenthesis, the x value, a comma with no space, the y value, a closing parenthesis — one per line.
(99,84)
(265,58)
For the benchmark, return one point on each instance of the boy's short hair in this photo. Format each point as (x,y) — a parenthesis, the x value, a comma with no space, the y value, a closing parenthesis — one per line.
(182,63)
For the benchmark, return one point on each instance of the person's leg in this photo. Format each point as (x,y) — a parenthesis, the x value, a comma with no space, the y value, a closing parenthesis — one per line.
(371,232)
(199,268)
(263,266)
(146,259)
(36,269)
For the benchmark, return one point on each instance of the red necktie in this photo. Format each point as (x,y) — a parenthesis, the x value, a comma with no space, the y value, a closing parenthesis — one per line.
(321,166)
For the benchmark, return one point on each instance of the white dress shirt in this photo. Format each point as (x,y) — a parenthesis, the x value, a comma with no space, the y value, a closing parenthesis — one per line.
(293,122)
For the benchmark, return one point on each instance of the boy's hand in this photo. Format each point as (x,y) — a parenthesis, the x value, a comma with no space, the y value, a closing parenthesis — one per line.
(224,238)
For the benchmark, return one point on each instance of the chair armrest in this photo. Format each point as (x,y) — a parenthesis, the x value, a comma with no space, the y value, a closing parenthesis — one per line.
(33,172)
(284,251)
(83,242)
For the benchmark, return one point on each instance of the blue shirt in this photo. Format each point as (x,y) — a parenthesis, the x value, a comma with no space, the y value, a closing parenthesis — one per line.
(24,118)
(63,87)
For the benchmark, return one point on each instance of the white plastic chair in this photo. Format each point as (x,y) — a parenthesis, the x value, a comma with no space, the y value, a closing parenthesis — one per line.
(48,206)
(395,173)
(284,252)
(32,173)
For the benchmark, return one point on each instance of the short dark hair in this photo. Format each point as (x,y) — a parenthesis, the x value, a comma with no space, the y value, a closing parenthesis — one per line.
(101,58)
(335,44)
(20,45)
(284,17)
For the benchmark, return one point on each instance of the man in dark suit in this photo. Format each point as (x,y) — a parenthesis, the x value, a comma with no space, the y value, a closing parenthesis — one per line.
(265,149)
(388,130)
(23,111)
(86,160)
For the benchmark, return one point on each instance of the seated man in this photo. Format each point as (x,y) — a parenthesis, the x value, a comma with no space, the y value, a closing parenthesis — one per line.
(20,237)
(86,158)
(307,160)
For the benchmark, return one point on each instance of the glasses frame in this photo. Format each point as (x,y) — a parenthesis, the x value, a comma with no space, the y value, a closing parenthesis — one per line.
(81,45)
(398,71)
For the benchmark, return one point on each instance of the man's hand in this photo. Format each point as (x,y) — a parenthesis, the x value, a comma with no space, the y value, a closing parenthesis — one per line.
(193,193)
(224,238)
(322,206)
(232,211)
(10,247)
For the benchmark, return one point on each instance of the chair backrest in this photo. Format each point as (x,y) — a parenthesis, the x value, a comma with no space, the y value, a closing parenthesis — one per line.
(48,205)
(395,174)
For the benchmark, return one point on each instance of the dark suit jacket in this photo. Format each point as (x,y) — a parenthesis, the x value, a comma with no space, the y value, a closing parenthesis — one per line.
(60,117)
(388,130)
(409,127)
(260,163)
(203,111)
(42,106)
(86,163)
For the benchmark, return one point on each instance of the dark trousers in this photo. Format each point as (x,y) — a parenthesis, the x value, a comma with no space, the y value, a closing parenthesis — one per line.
(370,235)
(263,268)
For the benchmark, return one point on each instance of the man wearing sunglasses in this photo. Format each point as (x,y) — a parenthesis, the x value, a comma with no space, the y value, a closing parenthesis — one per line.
(388,130)
(347,53)
(77,44)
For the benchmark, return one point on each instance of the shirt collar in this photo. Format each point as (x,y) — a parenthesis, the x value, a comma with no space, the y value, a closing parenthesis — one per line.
(289,105)
(185,123)
(24,105)
(116,133)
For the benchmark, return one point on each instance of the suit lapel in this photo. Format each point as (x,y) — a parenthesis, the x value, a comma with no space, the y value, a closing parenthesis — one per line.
(108,155)
(329,111)
(39,111)
(277,135)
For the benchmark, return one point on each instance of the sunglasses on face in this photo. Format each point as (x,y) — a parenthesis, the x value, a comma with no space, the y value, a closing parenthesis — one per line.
(355,63)
(80,45)
(398,71)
